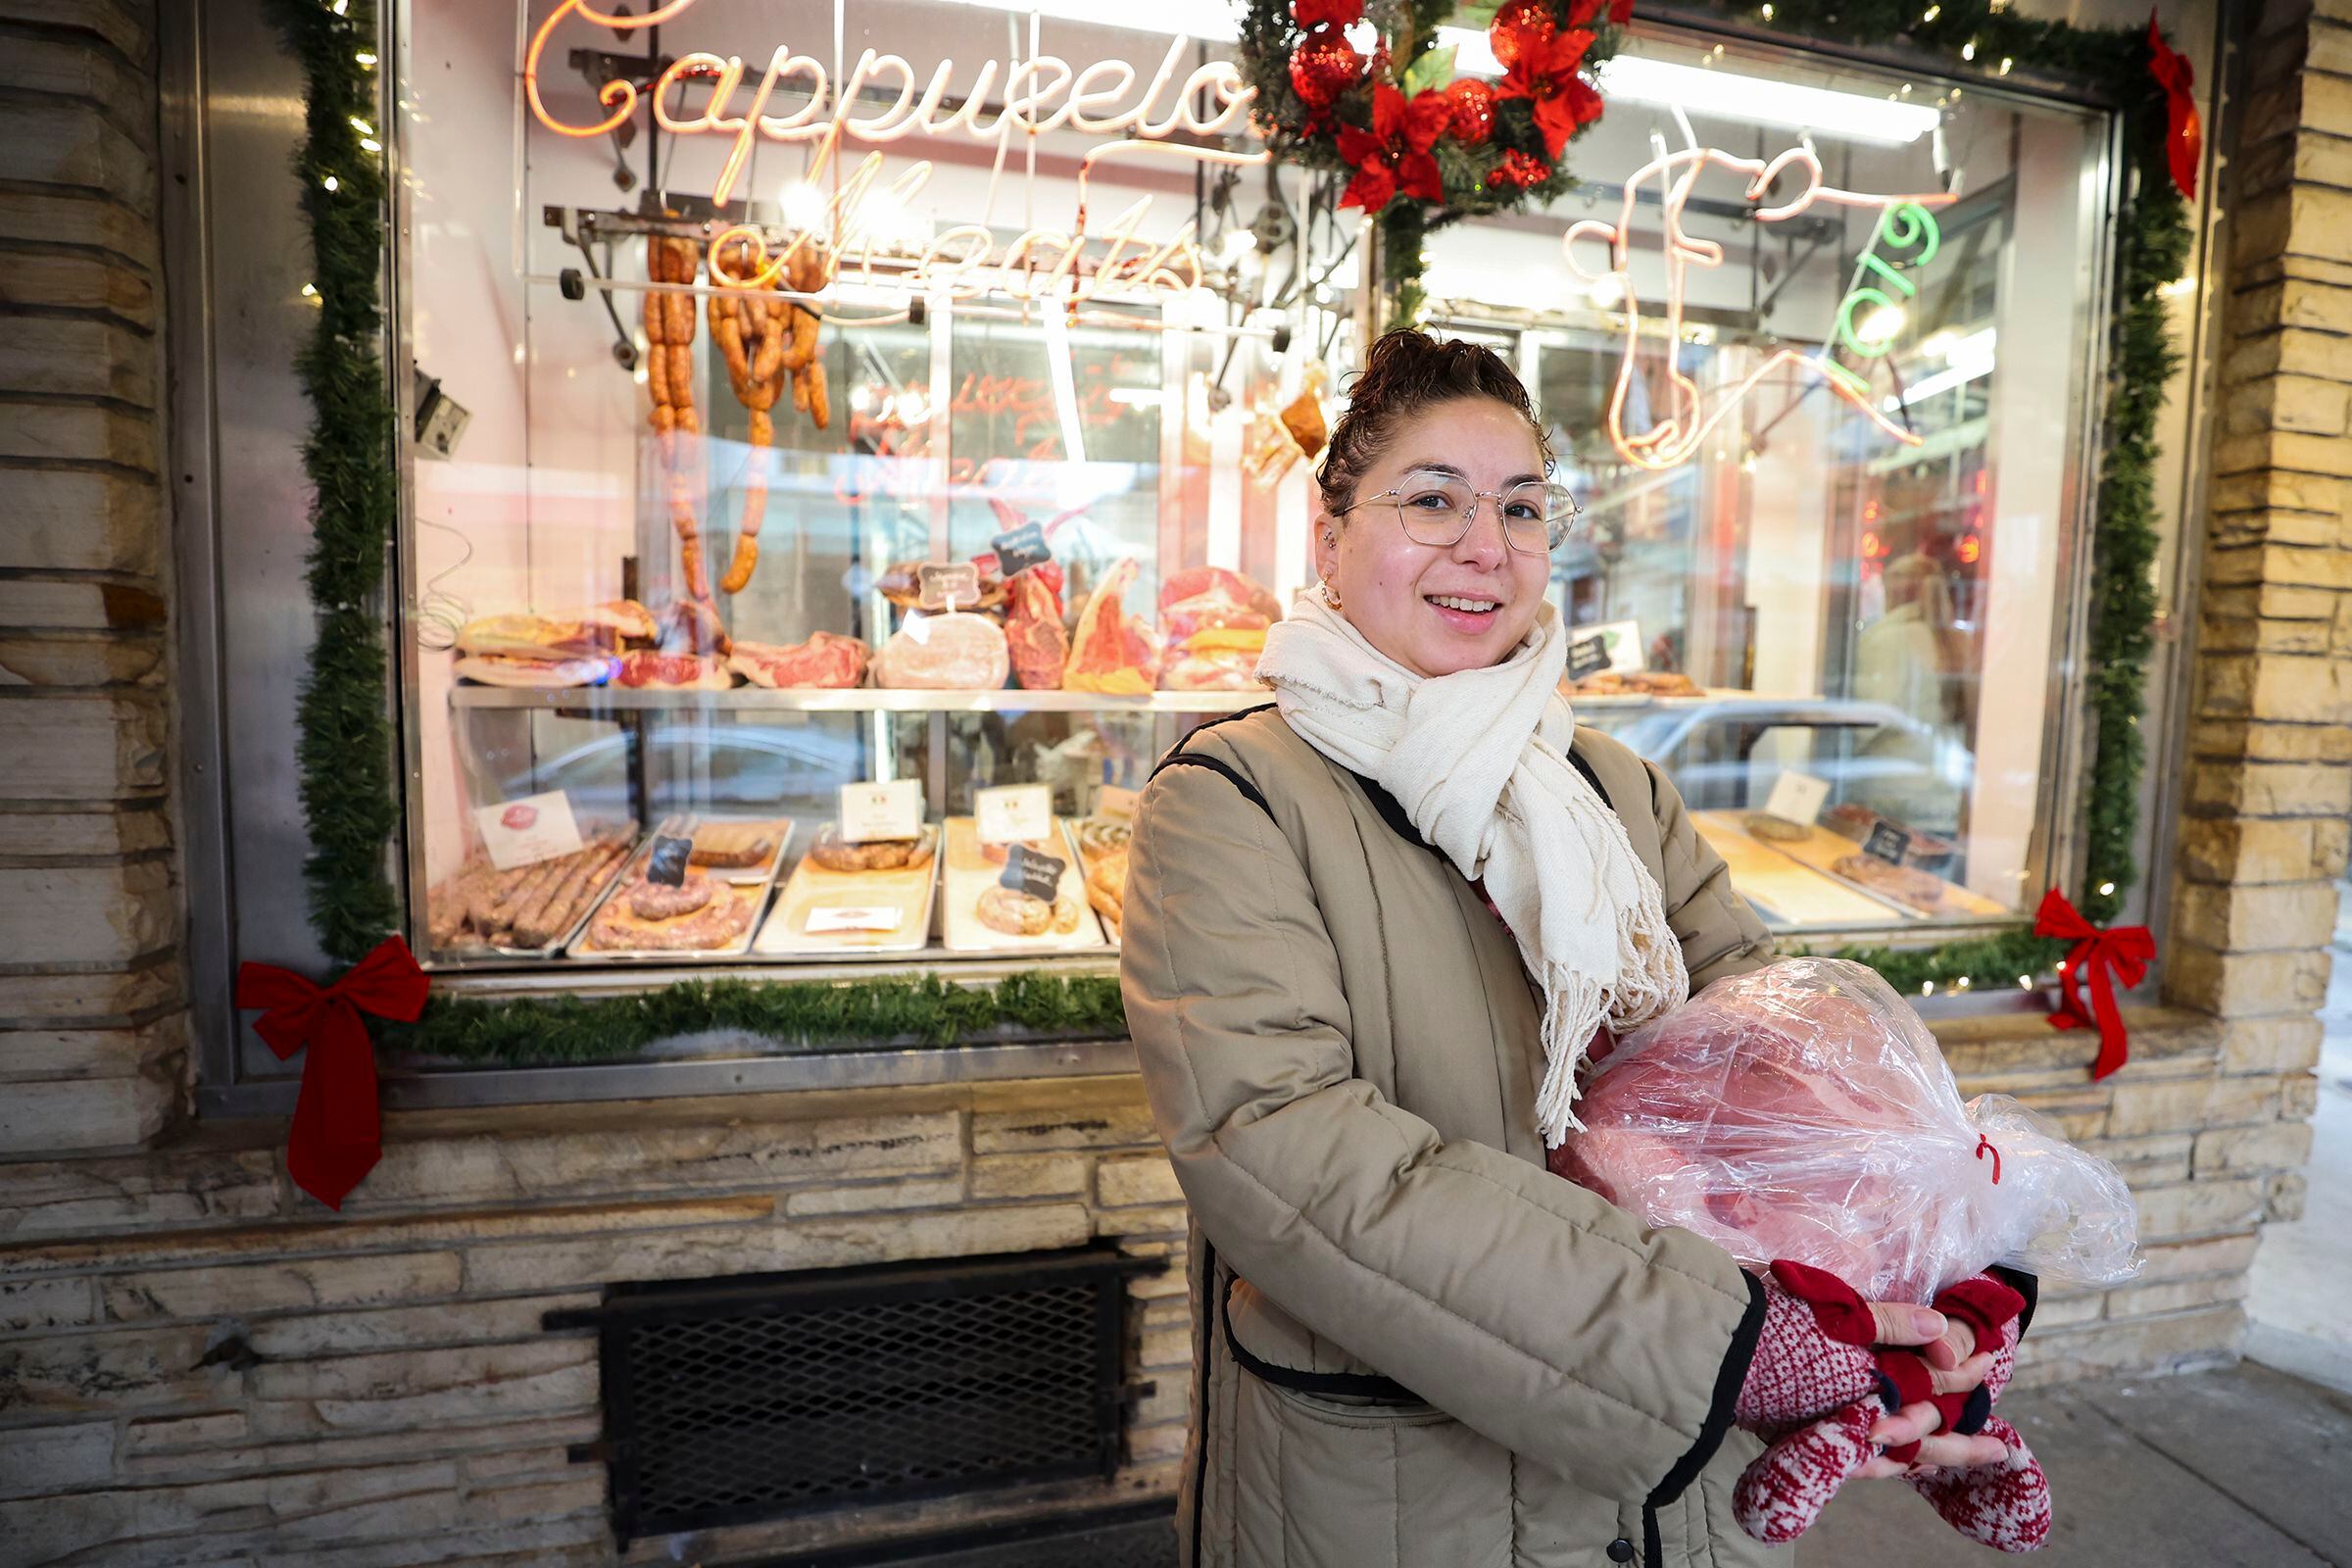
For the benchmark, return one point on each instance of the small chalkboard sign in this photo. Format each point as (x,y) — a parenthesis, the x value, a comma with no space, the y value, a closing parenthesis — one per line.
(947,586)
(1034,872)
(1588,656)
(666,861)
(1888,842)
(1019,548)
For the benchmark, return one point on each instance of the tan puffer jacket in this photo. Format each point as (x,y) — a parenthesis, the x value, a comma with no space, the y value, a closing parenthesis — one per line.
(1416,1347)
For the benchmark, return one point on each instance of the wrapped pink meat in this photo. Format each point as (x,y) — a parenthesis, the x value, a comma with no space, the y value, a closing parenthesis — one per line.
(1803,1116)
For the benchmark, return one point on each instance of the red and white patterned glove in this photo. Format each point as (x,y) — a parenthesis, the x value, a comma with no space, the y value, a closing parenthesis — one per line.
(1813,1354)
(1780,1495)
(2005,1506)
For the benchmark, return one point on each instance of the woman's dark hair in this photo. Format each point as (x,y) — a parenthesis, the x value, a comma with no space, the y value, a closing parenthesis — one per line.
(1406,372)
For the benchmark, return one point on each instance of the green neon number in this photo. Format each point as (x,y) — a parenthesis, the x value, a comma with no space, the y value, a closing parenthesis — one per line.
(1908,287)
(1907,224)
(1902,226)
(1845,322)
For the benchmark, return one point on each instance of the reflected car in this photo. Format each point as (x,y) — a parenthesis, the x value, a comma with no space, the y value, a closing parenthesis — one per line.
(732,768)
(1723,752)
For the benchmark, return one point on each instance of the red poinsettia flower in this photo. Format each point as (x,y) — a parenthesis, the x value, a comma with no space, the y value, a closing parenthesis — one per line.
(1394,155)
(1580,13)
(1313,14)
(1545,74)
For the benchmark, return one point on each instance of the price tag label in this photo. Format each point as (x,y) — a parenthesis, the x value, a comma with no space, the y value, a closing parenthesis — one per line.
(1113,801)
(1888,842)
(1034,872)
(944,587)
(1623,640)
(1019,548)
(1013,813)
(854,917)
(524,832)
(872,811)
(666,861)
(1588,656)
(1797,798)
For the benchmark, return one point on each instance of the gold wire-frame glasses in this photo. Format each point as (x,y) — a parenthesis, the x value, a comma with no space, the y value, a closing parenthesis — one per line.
(1438,509)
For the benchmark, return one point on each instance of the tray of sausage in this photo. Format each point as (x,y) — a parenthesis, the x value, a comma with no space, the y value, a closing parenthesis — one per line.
(526,911)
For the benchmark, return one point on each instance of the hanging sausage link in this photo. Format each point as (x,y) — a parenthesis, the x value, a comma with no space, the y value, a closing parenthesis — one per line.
(764,340)
(751,329)
(669,377)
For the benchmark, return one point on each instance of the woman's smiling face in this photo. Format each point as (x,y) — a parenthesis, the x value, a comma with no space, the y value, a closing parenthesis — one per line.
(1439,610)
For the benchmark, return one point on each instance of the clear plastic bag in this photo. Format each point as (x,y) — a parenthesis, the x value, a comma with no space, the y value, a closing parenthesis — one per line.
(1803,1112)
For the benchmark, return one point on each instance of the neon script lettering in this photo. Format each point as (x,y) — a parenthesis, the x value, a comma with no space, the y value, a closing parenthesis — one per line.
(1683,416)
(1037,95)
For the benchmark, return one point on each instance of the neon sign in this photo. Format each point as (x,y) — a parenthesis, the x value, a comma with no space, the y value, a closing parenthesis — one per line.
(1677,434)
(1040,94)
(1902,226)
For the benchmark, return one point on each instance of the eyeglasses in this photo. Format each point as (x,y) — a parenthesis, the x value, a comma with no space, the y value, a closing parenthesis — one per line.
(1438,509)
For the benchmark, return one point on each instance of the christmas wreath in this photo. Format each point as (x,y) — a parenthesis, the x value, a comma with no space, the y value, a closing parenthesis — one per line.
(1417,146)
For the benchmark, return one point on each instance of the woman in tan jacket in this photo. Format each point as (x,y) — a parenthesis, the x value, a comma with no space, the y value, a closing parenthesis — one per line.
(1369,933)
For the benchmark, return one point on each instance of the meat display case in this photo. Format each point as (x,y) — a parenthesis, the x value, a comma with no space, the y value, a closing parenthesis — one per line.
(612,682)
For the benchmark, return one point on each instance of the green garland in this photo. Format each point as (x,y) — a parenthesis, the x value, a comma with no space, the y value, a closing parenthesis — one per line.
(922,1009)
(345,750)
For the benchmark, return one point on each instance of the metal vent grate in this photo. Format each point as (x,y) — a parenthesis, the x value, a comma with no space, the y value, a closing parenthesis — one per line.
(759,1396)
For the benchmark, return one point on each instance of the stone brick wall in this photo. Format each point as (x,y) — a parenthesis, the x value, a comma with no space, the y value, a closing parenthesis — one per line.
(2266,809)
(2208,1123)
(199,1364)
(93,1038)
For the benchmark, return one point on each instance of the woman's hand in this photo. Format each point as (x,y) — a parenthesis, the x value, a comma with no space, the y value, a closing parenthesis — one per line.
(1915,1423)
(1954,1366)
(1947,1344)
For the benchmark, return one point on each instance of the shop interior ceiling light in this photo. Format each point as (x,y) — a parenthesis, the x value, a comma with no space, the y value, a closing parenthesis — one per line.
(1209,20)
(1965,360)
(1729,95)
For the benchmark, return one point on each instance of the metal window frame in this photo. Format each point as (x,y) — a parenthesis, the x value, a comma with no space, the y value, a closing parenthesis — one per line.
(239,826)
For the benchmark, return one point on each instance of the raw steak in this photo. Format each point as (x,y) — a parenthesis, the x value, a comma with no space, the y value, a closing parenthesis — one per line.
(1040,643)
(1194,581)
(826,658)
(683,671)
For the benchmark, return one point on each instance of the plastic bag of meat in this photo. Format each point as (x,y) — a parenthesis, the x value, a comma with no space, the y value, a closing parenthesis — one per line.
(1803,1113)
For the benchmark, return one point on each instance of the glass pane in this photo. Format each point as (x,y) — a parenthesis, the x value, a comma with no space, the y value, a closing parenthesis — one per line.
(1821,391)
(692,568)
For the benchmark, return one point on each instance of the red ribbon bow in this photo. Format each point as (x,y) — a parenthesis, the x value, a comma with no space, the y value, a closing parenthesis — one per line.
(2120,952)
(2184,133)
(337,1135)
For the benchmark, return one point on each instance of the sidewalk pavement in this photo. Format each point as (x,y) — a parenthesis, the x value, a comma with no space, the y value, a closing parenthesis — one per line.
(2244,1465)
(2301,1306)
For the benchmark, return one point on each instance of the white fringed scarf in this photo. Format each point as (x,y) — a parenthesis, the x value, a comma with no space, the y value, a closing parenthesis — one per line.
(1479,760)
